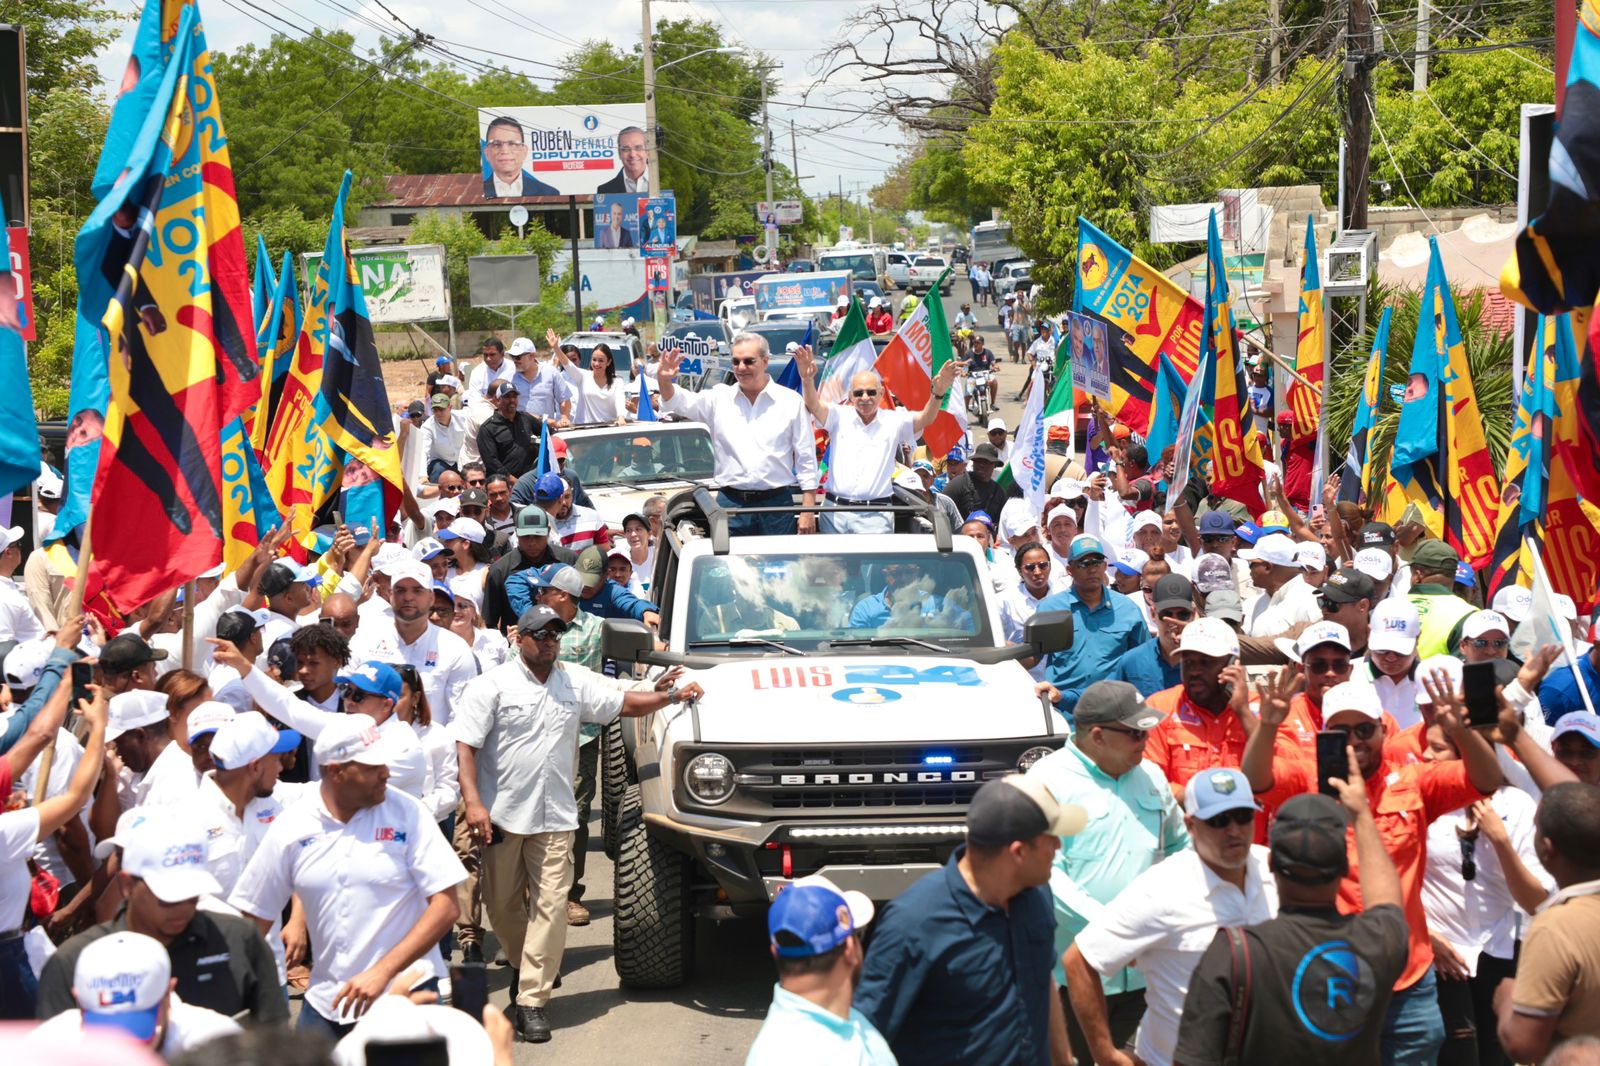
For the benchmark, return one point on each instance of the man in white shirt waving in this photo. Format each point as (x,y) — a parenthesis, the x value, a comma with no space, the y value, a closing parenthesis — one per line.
(866,443)
(765,451)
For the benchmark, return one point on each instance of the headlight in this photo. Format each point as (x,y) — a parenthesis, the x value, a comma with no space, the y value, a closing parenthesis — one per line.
(1031,756)
(709,778)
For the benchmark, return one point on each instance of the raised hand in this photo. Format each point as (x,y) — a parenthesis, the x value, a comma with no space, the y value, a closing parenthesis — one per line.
(1277,693)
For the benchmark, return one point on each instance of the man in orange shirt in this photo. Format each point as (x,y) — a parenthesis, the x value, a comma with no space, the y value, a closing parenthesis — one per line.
(1322,651)
(1405,798)
(1206,713)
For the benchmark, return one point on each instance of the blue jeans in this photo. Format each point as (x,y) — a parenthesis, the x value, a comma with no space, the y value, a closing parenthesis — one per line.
(439,466)
(312,1022)
(19,989)
(1413,1030)
(776,524)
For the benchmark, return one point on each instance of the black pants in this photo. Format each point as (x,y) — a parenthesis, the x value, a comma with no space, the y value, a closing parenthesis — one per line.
(583,789)
(1470,1037)
(1123,1011)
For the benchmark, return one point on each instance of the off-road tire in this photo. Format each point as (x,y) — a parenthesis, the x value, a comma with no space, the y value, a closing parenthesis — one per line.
(652,936)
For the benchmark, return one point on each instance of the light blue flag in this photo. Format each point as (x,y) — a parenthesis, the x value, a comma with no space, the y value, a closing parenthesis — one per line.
(1169,393)
(545,457)
(1188,423)
(19,433)
(646,412)
(262,287)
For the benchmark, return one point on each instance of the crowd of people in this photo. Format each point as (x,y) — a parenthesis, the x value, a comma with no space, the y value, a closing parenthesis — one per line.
(326,774)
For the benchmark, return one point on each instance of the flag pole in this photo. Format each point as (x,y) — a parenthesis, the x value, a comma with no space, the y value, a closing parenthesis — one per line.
(74,608)
(188,625)
(1542,579)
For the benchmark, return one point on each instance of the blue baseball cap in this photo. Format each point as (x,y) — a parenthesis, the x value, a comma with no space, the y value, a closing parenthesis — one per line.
(549,488)
(1216,791)
(443,360)
(1131,562)
(1465,575)
(981,515)
(922,464)
(958,454)
(427,548)
(1217,524)
(1583,723)
(1249,532)
(1084,545)
(440,586)
(377,678)
(813,916)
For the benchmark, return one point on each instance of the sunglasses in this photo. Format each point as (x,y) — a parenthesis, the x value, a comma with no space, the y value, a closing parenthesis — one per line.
(1134,734)
(858,393)
(1330,606)
(743,362)
(1469,857)
(1364,731)
(546,634)
(1326,666)
(351,694)
(1581,750)
(1032,567)
(1216,538)
(1089,563)
(1242,816)
(1178,614)
(1497,645)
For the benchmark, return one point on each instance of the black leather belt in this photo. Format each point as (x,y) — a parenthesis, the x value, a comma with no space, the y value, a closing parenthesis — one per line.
(752,495)
(12,934)
(840,499)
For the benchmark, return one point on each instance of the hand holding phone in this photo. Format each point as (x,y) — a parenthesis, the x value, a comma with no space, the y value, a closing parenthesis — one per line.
(1478,693)
(469,988)
(1332,761)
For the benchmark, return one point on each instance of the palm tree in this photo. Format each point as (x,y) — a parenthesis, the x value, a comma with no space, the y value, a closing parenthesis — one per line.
(1488,356)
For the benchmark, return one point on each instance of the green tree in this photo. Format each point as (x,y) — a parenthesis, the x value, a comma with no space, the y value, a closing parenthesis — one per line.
(462,239)
(63,37)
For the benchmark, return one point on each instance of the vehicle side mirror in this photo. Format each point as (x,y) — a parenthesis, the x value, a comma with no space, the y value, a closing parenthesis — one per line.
(628,641)
(1047,631)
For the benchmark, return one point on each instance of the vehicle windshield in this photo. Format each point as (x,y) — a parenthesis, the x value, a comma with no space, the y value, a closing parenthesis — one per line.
(802,600)
(641,455)
(860,265)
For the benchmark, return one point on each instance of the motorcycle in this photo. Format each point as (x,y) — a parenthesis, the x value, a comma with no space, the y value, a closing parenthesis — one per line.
(978,394)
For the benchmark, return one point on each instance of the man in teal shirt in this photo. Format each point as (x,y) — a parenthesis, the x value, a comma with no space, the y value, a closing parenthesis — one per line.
(1134,823)
(1105,623)
(813,926)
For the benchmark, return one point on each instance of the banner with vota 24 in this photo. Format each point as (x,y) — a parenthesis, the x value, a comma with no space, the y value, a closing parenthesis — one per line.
(563,151)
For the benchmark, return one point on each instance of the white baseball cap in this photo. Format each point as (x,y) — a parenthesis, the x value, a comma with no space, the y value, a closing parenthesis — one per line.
(449,381)
(1060,510)
(167,850)
(842,301)
(1310,555)
(466,587)
(520,346)
(1068,489)
(389,554)
(25,662)
(208,717)
(120,982)
(464,529)
(1146,518)
(1375,563)
(448,504)
(1480,622)
(247,737)
(126,821)
(996,422)
(876,301)
(426,549)
(414,570)
(1274,548)
(132,710)
(1312,635)
(1448,665)
(1513,601)
(1356,697)
(11,535)
(1016,517)
(395,1019)
(351,738)
(1209,636)
(1395,627)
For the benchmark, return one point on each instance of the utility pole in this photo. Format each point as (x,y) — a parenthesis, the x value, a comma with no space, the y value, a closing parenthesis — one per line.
(1274,17)
(1419,69)
(766,134)
(647,53)
(1358,61)
(794,153)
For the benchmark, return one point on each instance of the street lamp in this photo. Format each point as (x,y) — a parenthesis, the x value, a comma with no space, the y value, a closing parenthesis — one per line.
(650,70)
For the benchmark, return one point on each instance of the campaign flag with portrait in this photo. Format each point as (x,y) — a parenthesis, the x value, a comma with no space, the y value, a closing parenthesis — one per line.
(165,346)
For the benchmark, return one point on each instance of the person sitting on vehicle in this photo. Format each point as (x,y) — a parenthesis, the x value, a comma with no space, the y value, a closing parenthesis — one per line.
(840,308)
(731,601)
(980,358)
(965,319)
(908,600)
(819,591)
(879,317)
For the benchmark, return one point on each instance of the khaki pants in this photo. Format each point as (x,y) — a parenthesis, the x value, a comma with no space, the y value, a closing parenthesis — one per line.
(533,927)
(469,926)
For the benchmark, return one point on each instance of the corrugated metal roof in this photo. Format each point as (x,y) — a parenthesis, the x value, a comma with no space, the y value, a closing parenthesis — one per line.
(452,190)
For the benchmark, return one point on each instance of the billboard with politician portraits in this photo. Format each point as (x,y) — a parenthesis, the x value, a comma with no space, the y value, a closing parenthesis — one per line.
(563,151)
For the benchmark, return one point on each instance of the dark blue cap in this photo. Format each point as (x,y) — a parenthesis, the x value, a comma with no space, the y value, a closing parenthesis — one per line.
(807,920)
(1217,524)
(550,487)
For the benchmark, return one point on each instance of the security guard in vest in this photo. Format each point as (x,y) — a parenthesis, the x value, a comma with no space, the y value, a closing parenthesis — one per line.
(1433,581)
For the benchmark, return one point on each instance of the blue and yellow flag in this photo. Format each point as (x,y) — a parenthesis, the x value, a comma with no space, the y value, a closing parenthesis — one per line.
(165,350)
(19,432)
(262,285)
(1169,393)
(1236,468)
(281,334)
(248,514)
(1306,402)
(1456,481)
(1358,472)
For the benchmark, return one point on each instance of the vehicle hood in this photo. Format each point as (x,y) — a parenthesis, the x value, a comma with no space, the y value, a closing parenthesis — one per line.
(616,502)
(845,698)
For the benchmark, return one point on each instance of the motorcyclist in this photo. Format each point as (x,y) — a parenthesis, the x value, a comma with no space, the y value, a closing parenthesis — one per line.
(981,358)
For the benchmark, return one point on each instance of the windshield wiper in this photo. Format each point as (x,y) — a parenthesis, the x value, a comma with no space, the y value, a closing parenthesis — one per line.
(889,642)
(746,642)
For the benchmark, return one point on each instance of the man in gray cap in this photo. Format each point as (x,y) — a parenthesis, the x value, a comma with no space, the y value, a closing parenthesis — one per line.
(505,595)
(1319,982)
(1104,769)
(931,981)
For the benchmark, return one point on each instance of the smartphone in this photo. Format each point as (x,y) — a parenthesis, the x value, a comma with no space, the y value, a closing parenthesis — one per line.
(428,1051)
(1477,690)
(1332,761)
(82,678)
(338,518)
(469,989)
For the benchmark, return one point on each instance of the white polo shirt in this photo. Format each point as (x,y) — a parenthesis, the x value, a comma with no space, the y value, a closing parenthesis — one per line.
(19,832)
(188,1027)
(171,778)
(364,884)
(526,735)
(1269,615)
(17,620)
(443,660)
(864,453)
(1398,697)
(763,445)
(1162,923)
(482,377)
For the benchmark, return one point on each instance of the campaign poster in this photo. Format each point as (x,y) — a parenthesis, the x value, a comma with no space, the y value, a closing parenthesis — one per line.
(563,151)
(1089,348)
(616,220)
(658,222)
